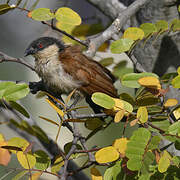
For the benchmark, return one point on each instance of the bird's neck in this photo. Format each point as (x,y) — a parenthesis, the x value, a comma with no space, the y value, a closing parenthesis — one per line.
(49,53)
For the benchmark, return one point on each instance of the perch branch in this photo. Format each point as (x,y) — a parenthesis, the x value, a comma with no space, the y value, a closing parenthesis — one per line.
(5,58)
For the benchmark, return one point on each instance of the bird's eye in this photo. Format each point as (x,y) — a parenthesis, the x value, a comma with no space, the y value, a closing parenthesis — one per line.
(40,46)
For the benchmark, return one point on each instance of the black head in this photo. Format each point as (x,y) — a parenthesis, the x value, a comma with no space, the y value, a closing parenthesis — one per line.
(42,43)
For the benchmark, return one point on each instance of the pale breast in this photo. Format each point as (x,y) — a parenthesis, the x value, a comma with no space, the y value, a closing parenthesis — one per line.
(54,76)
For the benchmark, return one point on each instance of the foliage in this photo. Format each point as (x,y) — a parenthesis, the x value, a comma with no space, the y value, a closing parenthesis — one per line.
(138,157)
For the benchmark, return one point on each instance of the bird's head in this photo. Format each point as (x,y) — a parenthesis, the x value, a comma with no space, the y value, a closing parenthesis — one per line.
(44,46)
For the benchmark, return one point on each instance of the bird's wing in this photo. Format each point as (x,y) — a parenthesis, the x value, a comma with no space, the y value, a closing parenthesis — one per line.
(94,77)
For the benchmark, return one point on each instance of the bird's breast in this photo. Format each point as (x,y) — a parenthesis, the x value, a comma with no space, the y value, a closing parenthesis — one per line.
(55,77)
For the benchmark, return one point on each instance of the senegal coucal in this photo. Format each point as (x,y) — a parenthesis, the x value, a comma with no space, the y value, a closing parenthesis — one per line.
(64,68)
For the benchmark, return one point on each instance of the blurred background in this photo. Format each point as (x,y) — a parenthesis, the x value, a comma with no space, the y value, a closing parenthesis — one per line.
(16,33)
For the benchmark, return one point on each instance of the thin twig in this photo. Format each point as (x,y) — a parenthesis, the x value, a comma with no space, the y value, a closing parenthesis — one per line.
(83,42)
(5,58)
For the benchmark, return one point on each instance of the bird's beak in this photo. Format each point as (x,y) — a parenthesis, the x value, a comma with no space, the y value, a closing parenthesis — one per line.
(29,51)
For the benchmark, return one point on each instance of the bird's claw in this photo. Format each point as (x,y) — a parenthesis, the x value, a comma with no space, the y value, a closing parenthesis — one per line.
(36,86)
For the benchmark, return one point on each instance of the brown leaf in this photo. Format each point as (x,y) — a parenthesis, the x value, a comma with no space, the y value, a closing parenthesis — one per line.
(5,156)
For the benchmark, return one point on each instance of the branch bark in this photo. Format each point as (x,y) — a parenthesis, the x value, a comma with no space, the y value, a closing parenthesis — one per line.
(110,8)
(115,27)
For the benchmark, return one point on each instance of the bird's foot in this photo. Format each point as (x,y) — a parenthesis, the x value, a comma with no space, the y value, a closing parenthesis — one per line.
(36,86)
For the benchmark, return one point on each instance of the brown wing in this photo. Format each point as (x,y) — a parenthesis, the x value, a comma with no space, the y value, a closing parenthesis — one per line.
(94,77)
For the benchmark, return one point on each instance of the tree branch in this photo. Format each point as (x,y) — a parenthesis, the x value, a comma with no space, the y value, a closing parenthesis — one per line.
(115,27)
(110,8)
(5,58)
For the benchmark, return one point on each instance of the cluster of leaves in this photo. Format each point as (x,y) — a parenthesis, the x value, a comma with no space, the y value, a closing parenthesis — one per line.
(133,35)
(138,157)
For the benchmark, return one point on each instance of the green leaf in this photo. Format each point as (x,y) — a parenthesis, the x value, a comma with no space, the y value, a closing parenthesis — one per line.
(93,123)
(20,175)
(176,82)
(103,100)
(108,174)
(154,143)
(175,25)
(148,160)
(161,26)
(68,16)
(147,99)
(176,160)
(42,14)
(106,61)
(164,162)
(19,108)
(128,98)
(164,125)
(16,92)
(167,77)
(154,109)
(121,45)
(133,33)
(4,8)
(112,173)
(148,28)
(174,128)
(43,161)
(68,146)
(144,177)
(177,145)
(116,169)
(5,85)
(136,148)
(131,79)
(58,163)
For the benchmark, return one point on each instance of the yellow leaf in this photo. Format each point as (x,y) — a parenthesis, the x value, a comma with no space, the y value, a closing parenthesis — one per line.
(69,96)
(4,154)
(118,104)
(142,114)
(65,27)
(59,111)
(95,174)
(133,122)
(122,105)
(150,82)
(57,100)
(119,115)
(170,102)
(27,161)
(121,145)
(58,163)
(18,142)
(133,33)
(164,162)
(107,154)
(67,15)
(35,176)
(176,113)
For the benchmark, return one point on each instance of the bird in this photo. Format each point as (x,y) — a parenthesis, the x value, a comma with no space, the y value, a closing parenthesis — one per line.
(64,68)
